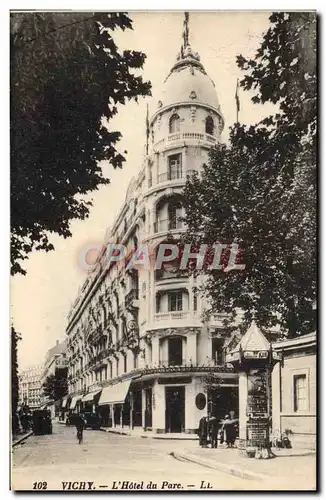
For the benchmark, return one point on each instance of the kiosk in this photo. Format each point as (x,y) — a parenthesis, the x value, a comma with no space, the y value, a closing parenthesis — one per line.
(254,358)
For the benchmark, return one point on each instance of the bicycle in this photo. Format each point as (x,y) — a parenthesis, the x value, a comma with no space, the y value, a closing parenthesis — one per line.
(80,435)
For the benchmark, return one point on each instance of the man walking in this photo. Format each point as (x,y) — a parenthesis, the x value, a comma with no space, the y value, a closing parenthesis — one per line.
(79,423)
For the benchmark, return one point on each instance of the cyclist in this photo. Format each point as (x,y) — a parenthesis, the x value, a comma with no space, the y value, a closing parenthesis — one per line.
(79,423)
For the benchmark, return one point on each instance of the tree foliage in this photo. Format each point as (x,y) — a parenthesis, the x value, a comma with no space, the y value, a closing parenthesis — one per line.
(56,386)
(260,190)
(68,78)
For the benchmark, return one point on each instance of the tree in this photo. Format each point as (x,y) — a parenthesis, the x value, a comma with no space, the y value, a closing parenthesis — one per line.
(15,337)
(264,188)
(56,385)
(68,78)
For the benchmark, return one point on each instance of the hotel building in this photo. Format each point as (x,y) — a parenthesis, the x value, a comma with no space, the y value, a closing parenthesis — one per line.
(141,351)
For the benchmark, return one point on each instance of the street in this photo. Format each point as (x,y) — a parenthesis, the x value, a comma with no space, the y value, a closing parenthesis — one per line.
(52,461)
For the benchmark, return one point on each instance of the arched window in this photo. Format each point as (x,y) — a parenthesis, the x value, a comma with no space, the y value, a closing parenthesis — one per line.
(209,125)
(174,125)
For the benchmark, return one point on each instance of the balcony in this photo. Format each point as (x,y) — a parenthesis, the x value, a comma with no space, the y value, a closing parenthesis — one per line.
(186,367)
(175,319)
(185,136)
(172,315)
(166,225)
(170,176)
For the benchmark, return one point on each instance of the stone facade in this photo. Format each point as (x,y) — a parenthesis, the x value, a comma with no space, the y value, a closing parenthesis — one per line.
(30,386)
(294,390)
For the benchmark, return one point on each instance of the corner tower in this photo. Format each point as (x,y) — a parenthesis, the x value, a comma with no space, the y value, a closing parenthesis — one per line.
(177,348)
(187,111)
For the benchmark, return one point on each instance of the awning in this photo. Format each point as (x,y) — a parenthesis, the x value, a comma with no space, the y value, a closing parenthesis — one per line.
(114,393)
(74,402)
(64,402)
(90,396)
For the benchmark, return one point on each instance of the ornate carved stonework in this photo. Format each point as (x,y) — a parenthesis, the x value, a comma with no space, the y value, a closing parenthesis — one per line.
(193,113)
(193,95)
(160,104)
(167,332)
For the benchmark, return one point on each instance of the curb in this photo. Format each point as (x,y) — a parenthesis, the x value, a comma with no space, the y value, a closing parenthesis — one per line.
(22,438)
(145,436)
(222,467)
(120,433)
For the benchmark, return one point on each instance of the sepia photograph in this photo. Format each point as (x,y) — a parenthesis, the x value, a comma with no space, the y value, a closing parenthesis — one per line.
(163,218)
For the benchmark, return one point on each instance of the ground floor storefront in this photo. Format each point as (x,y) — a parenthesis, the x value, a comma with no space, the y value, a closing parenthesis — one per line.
(167,402)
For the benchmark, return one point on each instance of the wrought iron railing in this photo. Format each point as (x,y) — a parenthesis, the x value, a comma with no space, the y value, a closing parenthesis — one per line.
(168,225)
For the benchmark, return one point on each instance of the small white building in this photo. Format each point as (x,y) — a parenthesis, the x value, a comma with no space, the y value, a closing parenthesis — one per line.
(294,390)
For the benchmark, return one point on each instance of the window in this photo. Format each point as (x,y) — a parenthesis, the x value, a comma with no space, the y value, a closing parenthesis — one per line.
(124,363)
(174,125)
(209,125)
(117,367)
(217,351)
(175,213)
(135,360)
(175,351)
(174,167)
(158,302)
(300,392)
(175,301)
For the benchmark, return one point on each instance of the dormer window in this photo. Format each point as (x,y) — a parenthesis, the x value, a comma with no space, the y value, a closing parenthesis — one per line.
(209,125)
(174,125)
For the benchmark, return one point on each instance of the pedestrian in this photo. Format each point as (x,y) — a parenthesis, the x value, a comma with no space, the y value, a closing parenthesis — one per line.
(212,431)
(203,428)
(79,423)
(230,431)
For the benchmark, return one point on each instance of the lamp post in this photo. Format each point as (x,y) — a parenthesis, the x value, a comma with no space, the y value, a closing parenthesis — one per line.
(254,358)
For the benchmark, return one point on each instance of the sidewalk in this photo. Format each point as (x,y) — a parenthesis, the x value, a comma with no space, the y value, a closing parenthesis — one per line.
(295,468)
(125,431)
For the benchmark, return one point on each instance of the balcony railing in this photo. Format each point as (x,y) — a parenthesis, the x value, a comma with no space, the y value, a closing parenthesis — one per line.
(172,315)
(171,175)
(186,136)
(186,367)
(168,225)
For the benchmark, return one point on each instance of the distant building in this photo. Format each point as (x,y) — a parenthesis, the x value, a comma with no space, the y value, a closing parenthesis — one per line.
(30,386)
(294,390)
(55,360)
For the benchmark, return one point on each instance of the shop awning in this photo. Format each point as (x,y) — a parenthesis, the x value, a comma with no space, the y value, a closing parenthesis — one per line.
(90,396)
(64,402)
(114,393)
(74,402)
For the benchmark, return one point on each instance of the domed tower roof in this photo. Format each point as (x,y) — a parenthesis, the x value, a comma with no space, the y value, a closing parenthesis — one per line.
(187,81)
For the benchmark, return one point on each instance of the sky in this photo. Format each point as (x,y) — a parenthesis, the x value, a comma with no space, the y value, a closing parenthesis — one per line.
(40,301)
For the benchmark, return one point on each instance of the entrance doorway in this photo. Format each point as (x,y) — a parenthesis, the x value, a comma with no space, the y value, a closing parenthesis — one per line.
(175,409)
(148,407)
(137,414)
